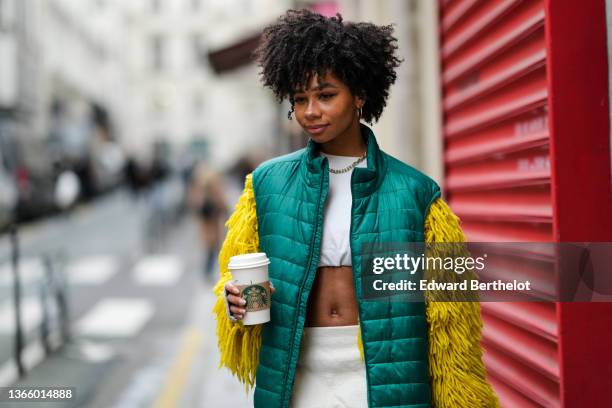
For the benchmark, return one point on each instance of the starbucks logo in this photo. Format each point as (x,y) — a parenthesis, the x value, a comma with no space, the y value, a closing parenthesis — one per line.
(256,297)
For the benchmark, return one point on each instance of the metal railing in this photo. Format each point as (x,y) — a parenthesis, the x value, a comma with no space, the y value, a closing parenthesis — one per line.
(51,290)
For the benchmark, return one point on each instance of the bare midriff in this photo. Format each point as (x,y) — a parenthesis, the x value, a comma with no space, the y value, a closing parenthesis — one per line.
(332,299)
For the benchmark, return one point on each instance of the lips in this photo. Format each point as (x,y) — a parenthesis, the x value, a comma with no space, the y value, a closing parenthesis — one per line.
(316,129)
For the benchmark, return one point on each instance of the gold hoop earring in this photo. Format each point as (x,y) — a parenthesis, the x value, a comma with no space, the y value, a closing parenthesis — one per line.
(290,112)
(359,112)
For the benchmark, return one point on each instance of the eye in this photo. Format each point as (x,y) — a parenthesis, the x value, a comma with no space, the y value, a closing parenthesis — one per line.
(326,96)
(299,99)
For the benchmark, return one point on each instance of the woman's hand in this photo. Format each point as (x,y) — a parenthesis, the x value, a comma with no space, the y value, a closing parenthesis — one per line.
(236,304)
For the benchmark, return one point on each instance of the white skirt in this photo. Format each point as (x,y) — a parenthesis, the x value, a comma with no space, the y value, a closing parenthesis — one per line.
(330,372)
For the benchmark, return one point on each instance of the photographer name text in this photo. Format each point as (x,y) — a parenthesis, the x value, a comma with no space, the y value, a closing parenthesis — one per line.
(433,285)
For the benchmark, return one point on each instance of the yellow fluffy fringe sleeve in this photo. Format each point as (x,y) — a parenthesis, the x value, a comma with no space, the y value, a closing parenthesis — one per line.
(458,375)
(238,344)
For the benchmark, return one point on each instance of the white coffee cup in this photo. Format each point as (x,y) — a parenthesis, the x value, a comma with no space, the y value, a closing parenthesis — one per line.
(250,272)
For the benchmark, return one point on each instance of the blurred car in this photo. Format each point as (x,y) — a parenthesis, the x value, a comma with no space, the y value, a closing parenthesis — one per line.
(29,163)
(81,139)
(68,143)
(98,163)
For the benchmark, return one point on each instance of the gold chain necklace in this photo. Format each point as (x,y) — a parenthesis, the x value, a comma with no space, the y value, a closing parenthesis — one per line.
(350,166)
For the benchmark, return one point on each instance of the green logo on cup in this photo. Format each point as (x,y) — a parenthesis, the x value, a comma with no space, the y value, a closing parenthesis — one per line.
(256,297)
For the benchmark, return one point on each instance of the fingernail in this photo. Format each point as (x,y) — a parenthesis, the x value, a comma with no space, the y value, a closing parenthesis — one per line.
(242,302)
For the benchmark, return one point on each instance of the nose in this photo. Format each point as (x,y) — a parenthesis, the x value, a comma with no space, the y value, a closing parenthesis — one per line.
(312,110)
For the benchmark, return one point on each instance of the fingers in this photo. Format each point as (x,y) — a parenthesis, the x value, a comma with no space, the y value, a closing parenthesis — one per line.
(235,301)
(237,312)
(231,288)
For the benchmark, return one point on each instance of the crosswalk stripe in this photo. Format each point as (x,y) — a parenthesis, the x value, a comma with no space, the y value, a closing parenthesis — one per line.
(31,314)
(158,270)
(8,373)
(30,270)
(92,270)
(33,354)
(116,317)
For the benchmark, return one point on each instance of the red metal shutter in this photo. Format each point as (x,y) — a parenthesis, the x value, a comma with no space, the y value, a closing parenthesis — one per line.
(527,159)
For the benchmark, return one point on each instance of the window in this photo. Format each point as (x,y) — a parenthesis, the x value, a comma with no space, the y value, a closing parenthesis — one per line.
(157,52)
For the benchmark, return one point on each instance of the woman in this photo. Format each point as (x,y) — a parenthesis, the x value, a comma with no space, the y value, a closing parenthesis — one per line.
(207,189)
(311,211)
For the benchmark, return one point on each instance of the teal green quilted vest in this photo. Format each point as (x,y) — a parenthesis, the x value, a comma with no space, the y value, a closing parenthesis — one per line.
(389,204)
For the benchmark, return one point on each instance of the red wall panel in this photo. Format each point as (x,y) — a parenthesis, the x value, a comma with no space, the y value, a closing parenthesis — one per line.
(527,159)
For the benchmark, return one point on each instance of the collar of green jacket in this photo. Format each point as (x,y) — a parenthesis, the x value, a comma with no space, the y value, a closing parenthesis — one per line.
(365,180)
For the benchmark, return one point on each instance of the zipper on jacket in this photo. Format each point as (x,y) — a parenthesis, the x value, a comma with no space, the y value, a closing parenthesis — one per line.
(363,343)
(306,275)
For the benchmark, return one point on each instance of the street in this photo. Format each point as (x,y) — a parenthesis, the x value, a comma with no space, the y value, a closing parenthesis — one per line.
(142,332)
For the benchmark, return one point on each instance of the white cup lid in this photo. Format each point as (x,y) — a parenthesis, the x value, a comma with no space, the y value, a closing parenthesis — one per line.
(248,260)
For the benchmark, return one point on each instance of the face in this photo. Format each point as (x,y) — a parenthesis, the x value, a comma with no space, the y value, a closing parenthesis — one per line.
(326,109)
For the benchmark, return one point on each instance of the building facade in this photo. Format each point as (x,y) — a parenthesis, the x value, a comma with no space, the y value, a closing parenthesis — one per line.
(178,97)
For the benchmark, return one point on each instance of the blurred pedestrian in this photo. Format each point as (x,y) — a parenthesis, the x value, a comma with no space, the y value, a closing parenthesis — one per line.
(312,212)
(210,204)
(134,177)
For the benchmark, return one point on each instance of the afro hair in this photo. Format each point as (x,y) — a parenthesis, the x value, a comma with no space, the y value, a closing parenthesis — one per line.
(301,43)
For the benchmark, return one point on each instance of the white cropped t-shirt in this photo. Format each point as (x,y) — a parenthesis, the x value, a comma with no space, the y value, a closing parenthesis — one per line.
(335,247)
